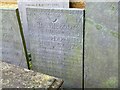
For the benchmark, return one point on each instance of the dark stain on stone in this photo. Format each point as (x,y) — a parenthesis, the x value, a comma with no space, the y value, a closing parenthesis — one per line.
(98,27)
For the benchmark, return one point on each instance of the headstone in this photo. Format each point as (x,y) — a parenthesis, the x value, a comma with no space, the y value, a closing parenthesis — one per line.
(11,46)
(56,43)
(101,45)
(22,4)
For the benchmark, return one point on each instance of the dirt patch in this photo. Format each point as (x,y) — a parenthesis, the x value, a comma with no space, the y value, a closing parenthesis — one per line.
(8,4)
(77,4)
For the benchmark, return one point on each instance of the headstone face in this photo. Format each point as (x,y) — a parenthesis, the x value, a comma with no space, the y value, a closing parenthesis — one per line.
(12,46)
(22,4)
(101,45)
(56,43)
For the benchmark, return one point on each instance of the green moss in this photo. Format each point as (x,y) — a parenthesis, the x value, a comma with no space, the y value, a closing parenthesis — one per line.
(88,20)
(77,51)
(30,64)
(112,82)
(76,56)
(30,60)
(115,34)
(74,60)
(113,7)
(71,19)
(98,26)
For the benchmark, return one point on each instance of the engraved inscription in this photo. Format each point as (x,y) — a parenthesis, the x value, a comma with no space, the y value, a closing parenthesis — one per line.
(22,4)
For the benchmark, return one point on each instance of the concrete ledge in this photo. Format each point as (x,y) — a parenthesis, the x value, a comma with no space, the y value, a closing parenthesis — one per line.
(16,77)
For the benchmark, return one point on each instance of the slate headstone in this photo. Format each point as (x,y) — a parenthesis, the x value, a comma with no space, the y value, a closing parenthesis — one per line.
(101,45)
(12,46)
(22,4)
(56,43)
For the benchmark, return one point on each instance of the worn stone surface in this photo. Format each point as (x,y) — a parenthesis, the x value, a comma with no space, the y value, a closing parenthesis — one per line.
(101,45)
(16,77)
(56,43)
(22,4)
(11,46)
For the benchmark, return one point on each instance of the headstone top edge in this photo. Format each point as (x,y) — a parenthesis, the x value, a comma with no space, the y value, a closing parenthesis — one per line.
(9,8)
(33,7)
(41,1)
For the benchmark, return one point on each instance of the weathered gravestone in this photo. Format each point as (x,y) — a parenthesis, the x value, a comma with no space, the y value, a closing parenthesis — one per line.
(12,46)
(101,45)
(22,4)
(56,43)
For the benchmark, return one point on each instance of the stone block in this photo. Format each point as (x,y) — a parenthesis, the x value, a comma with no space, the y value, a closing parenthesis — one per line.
(56,43)
(12,46)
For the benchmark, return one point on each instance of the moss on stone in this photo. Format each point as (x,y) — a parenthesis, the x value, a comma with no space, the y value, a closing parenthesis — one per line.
(98,26)
(112,82)
(71,20)
(115,34)
(88,20)
(113,7)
